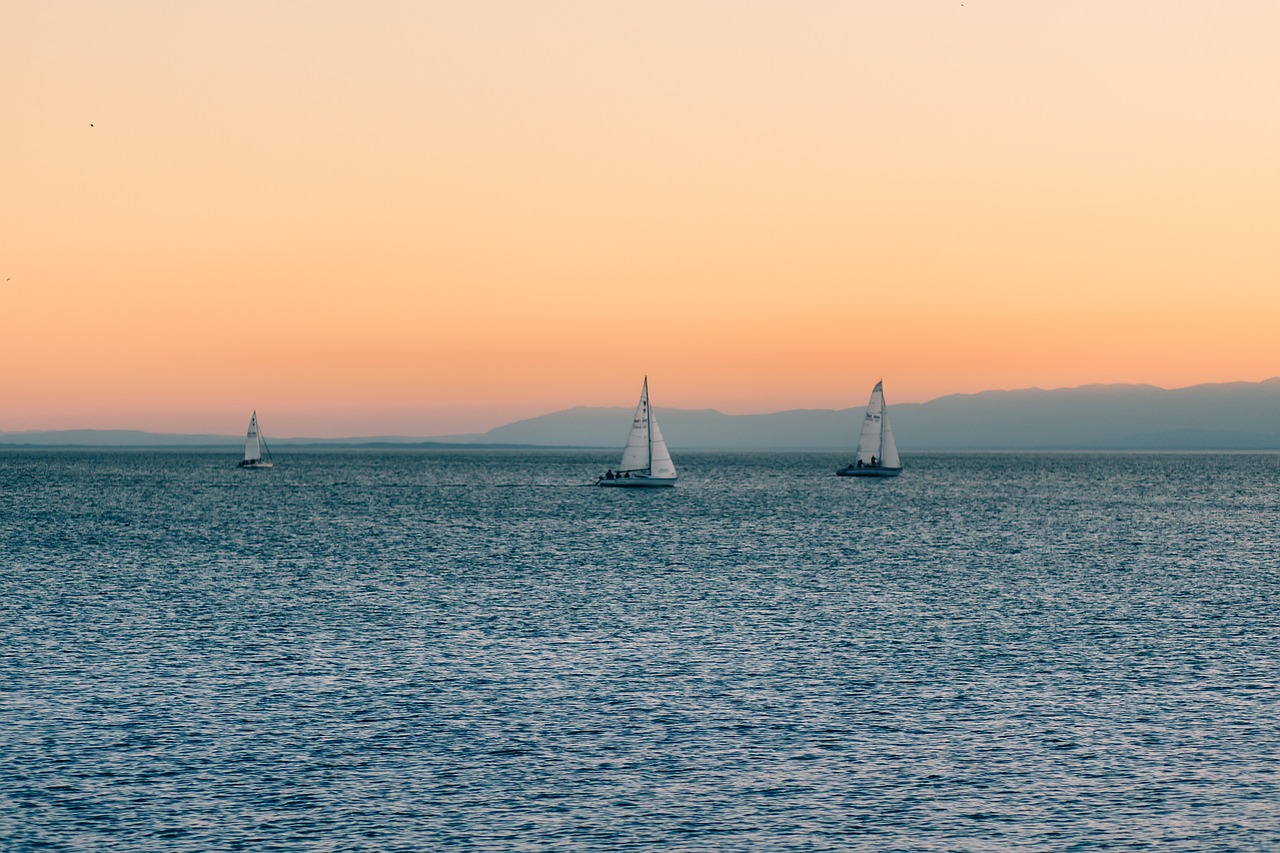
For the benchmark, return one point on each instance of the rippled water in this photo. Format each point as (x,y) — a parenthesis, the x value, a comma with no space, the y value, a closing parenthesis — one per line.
(416,650)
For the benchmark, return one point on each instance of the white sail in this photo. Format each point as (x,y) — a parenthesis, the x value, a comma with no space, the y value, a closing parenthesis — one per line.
(870,442)
(635,457)
(660,464)
(252,445)
(889,450)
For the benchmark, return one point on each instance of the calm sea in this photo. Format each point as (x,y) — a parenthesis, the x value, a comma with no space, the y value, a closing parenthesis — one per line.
(465,650)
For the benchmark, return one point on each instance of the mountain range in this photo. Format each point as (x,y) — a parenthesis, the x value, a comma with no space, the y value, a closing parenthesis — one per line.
(1224,416)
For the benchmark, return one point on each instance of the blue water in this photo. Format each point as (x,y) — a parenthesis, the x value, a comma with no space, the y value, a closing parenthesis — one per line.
(420,650)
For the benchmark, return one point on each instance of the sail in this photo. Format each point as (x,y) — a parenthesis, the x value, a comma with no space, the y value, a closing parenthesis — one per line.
(252,448)
(869,443)
(661,464)
(889,450)
(635,457)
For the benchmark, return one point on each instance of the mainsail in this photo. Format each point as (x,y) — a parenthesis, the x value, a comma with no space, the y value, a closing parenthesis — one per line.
(252,444)
(635,456)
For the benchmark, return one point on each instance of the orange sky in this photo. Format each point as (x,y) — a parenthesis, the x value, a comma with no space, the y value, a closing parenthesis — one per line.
(423,218)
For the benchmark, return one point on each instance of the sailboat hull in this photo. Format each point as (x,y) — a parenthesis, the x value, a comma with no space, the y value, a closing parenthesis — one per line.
(866,471)
(641,482)
(257,463)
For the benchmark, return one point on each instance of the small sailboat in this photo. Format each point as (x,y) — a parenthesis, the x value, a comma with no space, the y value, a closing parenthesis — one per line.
(254,444)
(645,460)
(877,454)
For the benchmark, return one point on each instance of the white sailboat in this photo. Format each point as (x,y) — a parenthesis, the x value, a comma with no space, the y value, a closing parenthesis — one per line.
(254,444)
(877,454)
(645,460)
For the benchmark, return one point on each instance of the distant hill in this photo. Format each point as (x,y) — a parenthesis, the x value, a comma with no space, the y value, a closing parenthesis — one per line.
(684,428)
(1227,416)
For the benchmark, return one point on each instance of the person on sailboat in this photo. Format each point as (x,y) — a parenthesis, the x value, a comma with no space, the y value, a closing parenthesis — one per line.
(873,462)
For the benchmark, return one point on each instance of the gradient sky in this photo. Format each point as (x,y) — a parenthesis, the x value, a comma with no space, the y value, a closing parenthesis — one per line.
(423,218)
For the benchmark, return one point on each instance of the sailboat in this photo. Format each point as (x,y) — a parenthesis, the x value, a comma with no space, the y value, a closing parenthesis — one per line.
(645,460)
(254,444)
(877,454)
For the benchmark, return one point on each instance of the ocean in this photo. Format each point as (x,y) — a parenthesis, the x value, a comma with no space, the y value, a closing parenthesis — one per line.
(474,650)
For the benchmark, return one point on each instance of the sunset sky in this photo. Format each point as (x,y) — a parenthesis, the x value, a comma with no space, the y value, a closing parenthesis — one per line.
(424,218)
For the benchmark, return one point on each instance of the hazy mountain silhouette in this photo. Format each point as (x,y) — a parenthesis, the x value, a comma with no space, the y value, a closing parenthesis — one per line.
(1227,416)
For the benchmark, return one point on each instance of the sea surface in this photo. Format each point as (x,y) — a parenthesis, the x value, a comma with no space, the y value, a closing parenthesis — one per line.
(412,650)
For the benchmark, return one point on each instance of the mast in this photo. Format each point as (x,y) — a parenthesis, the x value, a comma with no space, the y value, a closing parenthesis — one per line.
(880,422)
(648,422)
(880,443)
